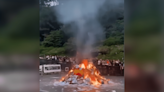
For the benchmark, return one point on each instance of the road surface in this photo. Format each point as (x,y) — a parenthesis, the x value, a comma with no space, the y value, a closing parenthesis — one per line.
(47,85)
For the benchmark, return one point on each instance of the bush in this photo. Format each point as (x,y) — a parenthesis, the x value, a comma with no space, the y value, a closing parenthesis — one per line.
(52,50)
(55,39)
(114,52)
(113,41)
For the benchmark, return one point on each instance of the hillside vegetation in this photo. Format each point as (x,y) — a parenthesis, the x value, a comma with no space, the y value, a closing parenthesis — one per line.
(56,40)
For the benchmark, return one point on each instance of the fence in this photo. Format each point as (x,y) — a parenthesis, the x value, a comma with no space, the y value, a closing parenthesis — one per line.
(57,68)
(110,70)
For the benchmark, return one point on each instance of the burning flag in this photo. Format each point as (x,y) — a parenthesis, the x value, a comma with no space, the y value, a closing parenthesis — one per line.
(78,72)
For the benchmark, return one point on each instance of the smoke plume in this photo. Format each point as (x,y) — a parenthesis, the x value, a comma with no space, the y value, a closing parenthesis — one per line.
(82,15)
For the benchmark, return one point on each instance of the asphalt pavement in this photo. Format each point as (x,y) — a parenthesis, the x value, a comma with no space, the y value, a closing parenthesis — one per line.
(47,85)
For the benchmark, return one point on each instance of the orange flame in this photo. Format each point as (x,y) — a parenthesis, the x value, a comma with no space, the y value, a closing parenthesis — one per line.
(85,62)
(89,71)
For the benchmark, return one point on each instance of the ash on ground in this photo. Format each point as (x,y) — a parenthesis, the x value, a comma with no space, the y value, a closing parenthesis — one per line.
(84,85)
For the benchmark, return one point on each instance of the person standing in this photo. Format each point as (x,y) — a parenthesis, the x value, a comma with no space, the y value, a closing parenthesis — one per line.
(55,58)
(103,62)
(99,62)
(107,62)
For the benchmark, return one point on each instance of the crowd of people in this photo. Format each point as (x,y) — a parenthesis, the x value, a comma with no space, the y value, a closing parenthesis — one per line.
(73,60)
(60,59)
(110,63)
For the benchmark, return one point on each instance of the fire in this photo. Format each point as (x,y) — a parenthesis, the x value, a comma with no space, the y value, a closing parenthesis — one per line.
(82,66)
(85,62)
(87,70)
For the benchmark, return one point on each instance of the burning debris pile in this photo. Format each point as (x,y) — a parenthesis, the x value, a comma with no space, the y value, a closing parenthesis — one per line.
(85,74)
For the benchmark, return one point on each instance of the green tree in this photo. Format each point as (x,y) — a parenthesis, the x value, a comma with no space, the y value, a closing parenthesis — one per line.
(113,41)
(70,46)
(55,39)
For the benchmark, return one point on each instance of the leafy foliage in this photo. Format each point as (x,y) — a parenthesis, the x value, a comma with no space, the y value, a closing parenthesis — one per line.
(55,39)
(52,50)
(112,52)
(113,41)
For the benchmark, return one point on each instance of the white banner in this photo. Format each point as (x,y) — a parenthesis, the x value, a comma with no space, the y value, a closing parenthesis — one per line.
(52,68)
(40,68)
